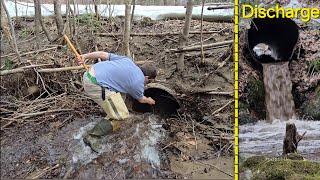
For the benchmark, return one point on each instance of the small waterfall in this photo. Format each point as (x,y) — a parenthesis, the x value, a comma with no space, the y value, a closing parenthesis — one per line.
(278,87)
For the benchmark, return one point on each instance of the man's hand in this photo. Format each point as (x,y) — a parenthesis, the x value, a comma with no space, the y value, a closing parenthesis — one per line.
(150,101)
(147,100)
(80,59)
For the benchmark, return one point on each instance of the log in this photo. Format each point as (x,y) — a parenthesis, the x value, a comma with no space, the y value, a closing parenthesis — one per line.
(156,34)
(193,48)
(21,69)
(208,18)
(51,70)
(32,52)
(217,4)
(221,7)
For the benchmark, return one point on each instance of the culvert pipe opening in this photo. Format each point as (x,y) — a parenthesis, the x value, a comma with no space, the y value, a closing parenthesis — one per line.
(272,39)
(166,102)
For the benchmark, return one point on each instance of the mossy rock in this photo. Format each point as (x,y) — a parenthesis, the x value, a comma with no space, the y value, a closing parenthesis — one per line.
(253,162)
(287,169)
(274,169)
(311,106)
(256,97)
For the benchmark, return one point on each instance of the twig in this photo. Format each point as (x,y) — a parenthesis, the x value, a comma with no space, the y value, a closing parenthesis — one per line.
(42,172)
(218,45)
(167,146)
(116,175)
(215,168)
(42,81)
(194,134)
(220,93)
(220,109)
(40,113)
(67,119)
(300,137)
(195,91)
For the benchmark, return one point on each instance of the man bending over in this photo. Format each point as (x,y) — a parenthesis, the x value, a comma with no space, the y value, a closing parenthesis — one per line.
(114,74)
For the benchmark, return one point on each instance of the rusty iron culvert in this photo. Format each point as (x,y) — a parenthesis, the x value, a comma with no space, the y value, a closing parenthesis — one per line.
(272,40)
(166,102)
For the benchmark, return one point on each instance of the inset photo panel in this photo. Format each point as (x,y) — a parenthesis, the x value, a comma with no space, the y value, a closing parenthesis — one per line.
(279,75)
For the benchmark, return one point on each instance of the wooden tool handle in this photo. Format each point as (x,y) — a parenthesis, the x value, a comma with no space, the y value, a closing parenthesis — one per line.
(75,52)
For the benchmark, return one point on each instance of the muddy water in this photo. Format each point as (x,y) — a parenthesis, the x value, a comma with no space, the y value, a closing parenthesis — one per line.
(278,87)
(134,144)
(265,138)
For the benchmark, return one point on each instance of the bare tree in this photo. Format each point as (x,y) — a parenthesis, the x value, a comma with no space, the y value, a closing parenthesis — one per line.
(176,2)
(58,16)
(184,36)
(132,14)
(201,35)
(37,23)
(38,15)
(15,7)
(6,24)
(68,15)
(126,35)
(96,8)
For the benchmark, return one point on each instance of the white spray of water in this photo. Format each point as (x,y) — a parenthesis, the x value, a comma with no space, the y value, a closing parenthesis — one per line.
(82,153)
(149,141)
(263,138)
(148,135)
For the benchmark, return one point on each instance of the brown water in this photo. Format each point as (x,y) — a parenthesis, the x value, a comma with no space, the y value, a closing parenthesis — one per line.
(278,86)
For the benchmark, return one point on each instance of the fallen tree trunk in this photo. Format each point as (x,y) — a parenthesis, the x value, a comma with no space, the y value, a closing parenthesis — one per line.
(157,34)
(31,52)
(221,7)
(51,70)
(217,4)
(209,18)
(192,48)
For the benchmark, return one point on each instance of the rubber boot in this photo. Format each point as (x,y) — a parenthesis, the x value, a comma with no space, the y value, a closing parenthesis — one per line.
(94,136)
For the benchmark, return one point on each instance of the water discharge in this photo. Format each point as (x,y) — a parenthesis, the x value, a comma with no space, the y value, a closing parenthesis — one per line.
(278,87)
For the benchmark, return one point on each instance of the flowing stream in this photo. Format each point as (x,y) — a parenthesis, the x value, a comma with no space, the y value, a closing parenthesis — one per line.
(264,138)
